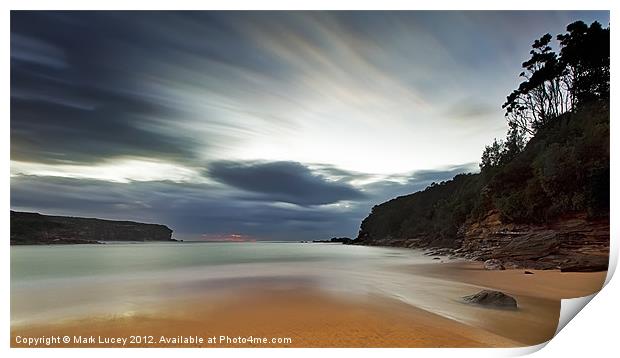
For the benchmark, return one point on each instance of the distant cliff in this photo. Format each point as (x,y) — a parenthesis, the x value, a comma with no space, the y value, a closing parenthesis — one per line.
(546,208)
(35,229)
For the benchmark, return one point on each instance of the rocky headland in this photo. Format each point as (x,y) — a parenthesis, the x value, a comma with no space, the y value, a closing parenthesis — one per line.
(37,229)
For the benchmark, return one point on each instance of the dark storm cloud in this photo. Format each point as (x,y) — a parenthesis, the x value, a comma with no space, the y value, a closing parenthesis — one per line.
(289,182)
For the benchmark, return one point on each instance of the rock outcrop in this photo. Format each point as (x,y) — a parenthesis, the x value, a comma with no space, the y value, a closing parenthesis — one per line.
(573,243)
(38,229)
(576,243)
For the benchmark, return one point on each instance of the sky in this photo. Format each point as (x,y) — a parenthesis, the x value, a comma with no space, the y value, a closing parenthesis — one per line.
(256,125)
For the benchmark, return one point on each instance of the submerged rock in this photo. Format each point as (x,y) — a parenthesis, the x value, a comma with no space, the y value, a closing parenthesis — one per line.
(491,299)
(528,273)
(493,264)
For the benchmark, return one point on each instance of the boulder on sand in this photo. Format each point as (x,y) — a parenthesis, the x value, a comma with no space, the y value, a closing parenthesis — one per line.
(491,298)
(493,264)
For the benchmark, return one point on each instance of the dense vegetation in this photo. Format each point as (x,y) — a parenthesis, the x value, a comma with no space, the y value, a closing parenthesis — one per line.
(563,169)
(553,162)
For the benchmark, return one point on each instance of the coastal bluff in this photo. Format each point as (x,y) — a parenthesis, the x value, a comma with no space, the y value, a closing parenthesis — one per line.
(38,229)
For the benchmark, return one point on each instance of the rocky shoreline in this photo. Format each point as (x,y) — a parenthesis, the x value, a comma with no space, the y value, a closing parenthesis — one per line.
(572,244)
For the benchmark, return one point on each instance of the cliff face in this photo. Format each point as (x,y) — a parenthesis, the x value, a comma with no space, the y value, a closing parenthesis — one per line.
(33,228)
(546,208)
(572,243)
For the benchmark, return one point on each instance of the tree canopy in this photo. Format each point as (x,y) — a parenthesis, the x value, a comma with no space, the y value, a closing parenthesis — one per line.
(553,84)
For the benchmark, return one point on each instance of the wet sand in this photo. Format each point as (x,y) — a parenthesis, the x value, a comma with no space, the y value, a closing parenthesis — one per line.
(309,317)
(314,318)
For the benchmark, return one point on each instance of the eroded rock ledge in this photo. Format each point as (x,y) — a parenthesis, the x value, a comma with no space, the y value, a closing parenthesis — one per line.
(573,243)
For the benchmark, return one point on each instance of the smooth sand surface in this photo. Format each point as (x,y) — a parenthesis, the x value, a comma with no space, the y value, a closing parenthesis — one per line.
(310,318)
(313,318)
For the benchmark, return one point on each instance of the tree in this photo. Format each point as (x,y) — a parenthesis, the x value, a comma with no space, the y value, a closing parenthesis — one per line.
(542,95)
(585,55)
(491,156)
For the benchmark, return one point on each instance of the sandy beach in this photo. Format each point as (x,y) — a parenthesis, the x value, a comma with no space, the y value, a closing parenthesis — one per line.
(313,318)
(309,318)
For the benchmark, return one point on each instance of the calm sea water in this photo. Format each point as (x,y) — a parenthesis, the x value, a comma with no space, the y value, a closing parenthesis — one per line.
(50,283)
